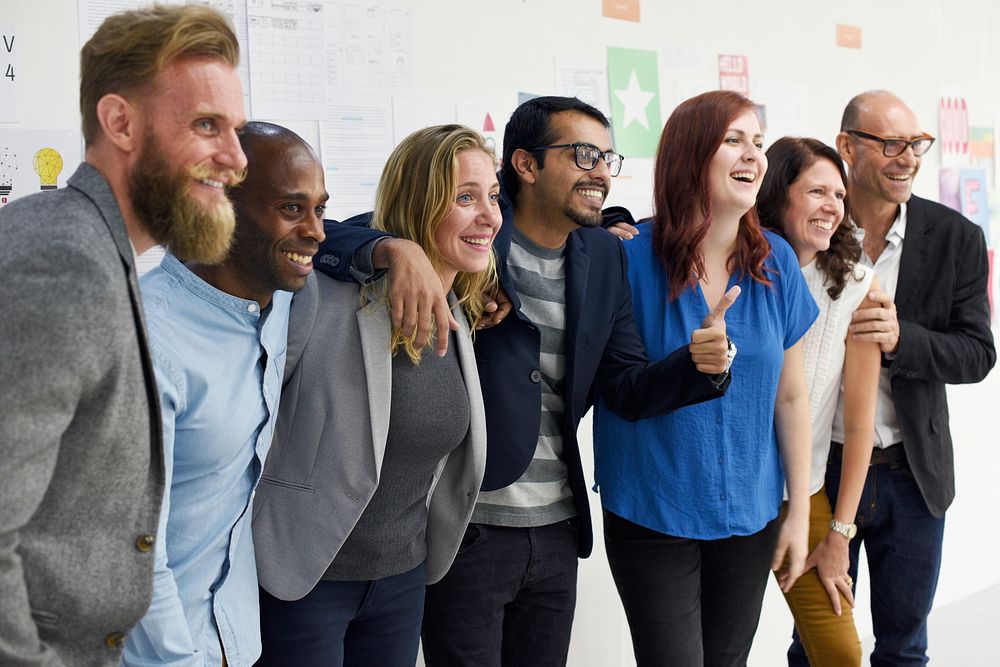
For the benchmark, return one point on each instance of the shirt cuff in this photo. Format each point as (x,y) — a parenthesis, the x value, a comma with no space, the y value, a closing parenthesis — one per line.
(720,380)
(362,269)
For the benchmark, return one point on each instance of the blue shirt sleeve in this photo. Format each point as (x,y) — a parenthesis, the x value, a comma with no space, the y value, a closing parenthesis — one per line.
(163,636)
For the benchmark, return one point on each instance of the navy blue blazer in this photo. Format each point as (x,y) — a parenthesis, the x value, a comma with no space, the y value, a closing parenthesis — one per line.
(603,353)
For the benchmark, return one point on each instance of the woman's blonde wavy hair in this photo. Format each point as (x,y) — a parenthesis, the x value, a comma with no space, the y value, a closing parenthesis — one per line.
(415,193)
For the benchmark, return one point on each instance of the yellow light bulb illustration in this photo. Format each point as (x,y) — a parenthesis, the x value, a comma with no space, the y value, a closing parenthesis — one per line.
(48,165)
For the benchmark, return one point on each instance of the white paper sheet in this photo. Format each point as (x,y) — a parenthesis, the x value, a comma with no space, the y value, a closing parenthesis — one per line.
(236,12)
(93,12)
(587,81)
(370,48)
(149,260)
(11,79)
(633,188)
(488,116)
(787,108)
(287,59)
(413,112)
(355,139)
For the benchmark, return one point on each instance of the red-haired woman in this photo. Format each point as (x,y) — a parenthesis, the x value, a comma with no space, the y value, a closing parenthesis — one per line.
(803,198)
(691,499)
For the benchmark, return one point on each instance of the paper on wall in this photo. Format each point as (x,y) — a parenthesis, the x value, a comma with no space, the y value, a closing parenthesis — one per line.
(370,48)
(287,58)
(787,105)
(36,160)
(355,141)
(587,81)
(413,112)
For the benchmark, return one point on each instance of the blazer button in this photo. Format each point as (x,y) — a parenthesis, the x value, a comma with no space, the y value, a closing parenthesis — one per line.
(536,376)
(144,543)
(115,640)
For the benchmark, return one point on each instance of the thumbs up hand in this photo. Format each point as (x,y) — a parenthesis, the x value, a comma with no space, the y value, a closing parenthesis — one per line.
(709,345)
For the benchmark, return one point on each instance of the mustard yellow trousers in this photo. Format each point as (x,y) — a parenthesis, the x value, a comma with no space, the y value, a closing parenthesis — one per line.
(829,640)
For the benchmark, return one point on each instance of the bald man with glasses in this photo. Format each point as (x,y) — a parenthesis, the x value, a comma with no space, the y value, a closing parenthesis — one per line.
(933,325)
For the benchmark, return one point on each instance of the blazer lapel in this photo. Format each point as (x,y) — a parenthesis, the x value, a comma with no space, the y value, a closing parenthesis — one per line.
(95,187)
(376,334)
(477,411)
(915,260)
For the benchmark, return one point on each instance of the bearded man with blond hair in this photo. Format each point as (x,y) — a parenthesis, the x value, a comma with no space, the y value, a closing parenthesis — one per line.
(81,458)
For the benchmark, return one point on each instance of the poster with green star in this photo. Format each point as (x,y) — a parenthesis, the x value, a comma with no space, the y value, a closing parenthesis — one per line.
(634,86)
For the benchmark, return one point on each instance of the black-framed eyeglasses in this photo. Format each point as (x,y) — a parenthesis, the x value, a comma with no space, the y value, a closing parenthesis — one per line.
(896,147)
(587,156)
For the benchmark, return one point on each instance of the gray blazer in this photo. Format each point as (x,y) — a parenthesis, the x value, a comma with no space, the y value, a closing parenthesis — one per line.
(330,437)
(81,470)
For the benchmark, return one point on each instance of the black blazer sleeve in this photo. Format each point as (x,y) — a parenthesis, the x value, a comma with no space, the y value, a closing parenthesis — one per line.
(632,386)
(343,239)
(950,340)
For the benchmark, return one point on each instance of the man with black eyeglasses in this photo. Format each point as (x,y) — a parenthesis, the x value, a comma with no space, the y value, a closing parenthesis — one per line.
(932,265)
(510,595)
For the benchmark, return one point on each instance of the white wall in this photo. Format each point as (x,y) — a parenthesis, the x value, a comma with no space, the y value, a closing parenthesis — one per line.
(479,48)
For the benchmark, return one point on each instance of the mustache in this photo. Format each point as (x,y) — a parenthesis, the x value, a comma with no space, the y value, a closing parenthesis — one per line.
(594,185)
(232,178)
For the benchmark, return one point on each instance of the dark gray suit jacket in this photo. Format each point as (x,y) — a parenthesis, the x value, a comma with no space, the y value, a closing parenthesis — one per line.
(81,471)
(944,337)
(330,436)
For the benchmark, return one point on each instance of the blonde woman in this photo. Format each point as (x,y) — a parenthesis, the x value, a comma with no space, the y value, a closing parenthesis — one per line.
(380,446)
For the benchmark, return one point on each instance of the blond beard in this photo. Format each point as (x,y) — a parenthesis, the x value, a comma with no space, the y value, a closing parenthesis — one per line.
(189,229)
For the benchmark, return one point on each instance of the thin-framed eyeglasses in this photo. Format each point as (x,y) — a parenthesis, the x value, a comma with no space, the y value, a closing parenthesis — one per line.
(587,156)
(896,147)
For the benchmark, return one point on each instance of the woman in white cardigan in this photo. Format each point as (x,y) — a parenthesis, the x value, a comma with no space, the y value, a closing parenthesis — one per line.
(803,197)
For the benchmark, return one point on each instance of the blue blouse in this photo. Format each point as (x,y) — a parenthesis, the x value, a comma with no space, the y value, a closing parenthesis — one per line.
(711,470)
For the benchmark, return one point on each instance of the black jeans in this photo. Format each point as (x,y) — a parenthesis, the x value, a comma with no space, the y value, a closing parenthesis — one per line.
(689,602)
(508,599)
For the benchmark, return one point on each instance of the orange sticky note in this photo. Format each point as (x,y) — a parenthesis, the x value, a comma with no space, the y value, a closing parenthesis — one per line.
(848,36)
(627,10)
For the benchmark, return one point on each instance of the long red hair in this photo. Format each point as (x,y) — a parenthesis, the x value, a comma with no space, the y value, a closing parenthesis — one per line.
(681,191)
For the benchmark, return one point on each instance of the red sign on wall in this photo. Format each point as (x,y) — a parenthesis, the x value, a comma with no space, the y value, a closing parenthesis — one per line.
(734,74)
(954,139)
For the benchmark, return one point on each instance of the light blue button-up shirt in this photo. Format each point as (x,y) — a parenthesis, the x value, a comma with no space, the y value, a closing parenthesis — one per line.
(219,363)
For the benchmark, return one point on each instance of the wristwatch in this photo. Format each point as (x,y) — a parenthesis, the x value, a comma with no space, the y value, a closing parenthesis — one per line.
(720,379)
(730,353)
(848,530)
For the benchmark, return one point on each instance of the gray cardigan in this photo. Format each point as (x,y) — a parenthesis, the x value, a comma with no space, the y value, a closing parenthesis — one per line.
(81,459)
(324,463)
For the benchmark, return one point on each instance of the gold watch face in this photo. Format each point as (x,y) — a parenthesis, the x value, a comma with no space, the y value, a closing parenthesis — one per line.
(848,530)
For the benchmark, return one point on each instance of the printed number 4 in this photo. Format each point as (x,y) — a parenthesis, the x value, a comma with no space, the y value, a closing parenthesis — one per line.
(10,71)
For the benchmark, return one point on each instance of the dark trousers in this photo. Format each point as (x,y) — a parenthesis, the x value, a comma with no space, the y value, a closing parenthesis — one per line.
(903,543)
(508,599)
(689,602)
(346,623)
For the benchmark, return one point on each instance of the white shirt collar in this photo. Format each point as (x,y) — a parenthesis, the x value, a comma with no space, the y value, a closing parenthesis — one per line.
(897,231)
